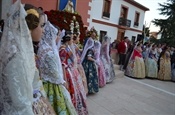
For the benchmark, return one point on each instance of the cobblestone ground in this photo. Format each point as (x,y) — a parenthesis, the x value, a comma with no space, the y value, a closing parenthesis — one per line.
(128,96)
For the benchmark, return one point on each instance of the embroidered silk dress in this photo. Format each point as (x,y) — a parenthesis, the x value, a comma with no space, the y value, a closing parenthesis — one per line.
(74,80)
(51,73)
(80,67)
(151,65)
(90,67)
(107,61)
(21,90)
(100,67)
(165,67)
(136,66)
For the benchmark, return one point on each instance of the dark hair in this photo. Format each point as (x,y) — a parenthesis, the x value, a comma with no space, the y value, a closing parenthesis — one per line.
(40,8)
(75,35)
(125,37)
(67,36)
(139,44)
(2,24)
(163,51)
(146,43)
(31,19)
(154,45)
(89,33)
(57,27)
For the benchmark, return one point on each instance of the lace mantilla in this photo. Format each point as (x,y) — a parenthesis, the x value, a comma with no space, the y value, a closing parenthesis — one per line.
(17,65)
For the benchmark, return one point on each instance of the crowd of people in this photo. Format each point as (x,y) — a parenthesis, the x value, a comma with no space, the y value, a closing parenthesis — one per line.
(42,69)
(140,60)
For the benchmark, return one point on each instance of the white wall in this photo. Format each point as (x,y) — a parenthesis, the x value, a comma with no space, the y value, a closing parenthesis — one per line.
(131,15)
(129,34)
(111,31)
(97,8)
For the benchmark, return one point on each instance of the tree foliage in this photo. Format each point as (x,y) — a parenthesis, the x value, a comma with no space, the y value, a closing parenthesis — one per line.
(167,25)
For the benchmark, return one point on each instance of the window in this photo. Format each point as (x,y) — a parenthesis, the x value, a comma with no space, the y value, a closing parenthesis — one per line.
(136,20)
(106,8)
(123,21)
(124,12)
(102,34)
(133,39)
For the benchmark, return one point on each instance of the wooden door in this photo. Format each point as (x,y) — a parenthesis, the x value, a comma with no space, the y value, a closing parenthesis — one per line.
(121,34)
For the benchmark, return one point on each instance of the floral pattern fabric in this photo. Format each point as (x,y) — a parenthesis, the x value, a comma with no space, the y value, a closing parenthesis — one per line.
(165,67)
(81,69)
(91,73)
(151,68)
(108,65)
(74,81)
(53,90)
(59,100)
(151,65)
(136,66)
(101,74)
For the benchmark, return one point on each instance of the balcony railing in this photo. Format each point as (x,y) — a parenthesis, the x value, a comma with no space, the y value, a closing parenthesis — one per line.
(106,14)
(136,24)
(124,22)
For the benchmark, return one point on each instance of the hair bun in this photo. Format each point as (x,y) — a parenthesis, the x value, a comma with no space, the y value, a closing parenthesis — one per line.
(33,11)
(32,17)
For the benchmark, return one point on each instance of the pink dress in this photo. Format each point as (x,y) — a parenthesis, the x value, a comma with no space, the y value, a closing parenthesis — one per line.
(80,68)
(100,66)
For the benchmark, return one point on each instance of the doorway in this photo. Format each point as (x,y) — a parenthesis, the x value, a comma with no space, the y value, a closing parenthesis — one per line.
(121,34)
(102,34)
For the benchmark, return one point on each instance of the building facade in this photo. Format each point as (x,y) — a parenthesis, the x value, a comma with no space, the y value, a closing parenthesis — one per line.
(116,18)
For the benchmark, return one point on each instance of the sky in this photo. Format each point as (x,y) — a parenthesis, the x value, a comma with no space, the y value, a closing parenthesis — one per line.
(153,13)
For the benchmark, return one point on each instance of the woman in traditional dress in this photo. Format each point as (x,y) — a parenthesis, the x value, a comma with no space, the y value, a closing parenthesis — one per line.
(136,66)
(72,75)
(106,59)
(89,64)
(173,72)
(151,63)
(165,65)
(79,65)
(21,90)
(172,63)
(51,72)
(100,67)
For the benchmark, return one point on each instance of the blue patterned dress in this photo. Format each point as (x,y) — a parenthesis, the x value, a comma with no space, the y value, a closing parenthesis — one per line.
(91,72)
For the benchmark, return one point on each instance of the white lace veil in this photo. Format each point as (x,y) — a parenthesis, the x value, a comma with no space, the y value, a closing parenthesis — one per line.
(48,44)
(17,64)
(59,41)
(97,48)
(105,47)
(89,45)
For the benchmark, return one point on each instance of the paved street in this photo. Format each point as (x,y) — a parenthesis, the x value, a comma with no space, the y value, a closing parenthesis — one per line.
(127,96)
